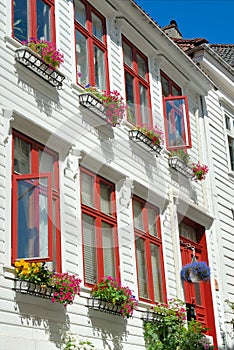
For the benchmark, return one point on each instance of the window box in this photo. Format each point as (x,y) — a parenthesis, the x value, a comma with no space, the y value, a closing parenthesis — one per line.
(91,102)
(104,306)
(31,288)
(34,62)
(152,316)
(146,142)
(178,164)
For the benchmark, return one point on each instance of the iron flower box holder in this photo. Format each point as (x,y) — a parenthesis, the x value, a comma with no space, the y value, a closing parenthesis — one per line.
(35,63)
(152,316)
(150,142)
(88,100)
(105,306)
(178,164)
(31,288)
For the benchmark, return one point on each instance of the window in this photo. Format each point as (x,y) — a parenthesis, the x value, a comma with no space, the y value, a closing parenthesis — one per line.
(176,115)
(148,251)
(91,48)
(229,122)
(137,85)
(33,19)
(100,242)
(35,200)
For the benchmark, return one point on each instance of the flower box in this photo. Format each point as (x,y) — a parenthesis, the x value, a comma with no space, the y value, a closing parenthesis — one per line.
(178,164)
(91,102)
(35,63)
(104,306)
(31,288)
(138,136)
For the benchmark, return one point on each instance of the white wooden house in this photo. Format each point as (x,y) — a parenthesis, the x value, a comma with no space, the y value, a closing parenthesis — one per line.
(102,203)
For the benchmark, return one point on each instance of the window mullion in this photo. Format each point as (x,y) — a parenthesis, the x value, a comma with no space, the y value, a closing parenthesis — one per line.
(99,249)
(33,19)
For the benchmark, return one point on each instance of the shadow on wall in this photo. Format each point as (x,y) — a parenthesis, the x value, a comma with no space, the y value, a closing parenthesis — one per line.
(40,314)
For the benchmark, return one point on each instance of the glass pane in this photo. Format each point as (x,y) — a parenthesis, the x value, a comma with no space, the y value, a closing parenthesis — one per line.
(105,198)
(43,20)
(82,59)
(156,270)
(54,227)
(177,128)
(141,66)
(21,156)
(108,250)
(138,220)
(144,105)
(46,165)
(165,86)
(152,217)
(231,151)
(20,24)
(97,26)
(127,53)
(141,268)
(32,220)
(80,12)
(227,122)
(129,81)
(89,241)
(188,232)
(175,91)
(197,293)
(87,189)
(99,68)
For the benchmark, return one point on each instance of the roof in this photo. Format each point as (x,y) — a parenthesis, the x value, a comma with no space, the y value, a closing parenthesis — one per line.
(226,51)
(188,44)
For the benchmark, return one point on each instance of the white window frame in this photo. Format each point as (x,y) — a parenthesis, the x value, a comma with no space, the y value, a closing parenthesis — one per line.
(229,134)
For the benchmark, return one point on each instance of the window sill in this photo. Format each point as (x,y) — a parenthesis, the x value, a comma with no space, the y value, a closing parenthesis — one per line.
(9,272)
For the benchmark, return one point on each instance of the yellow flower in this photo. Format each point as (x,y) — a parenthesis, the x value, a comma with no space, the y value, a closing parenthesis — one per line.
(36,270)
(26,265)
(17,264)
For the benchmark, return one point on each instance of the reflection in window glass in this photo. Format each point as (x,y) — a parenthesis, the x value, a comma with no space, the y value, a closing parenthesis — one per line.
(46,164)
(130,98)
(108,250)
(231,151)
(165,86)
(141,268)
(21,156)
(20,24)
(138,219)
(105,198)
(97,26)
(89,246)
(156,271)
(144,105)
(99,68)
(127,52)
(141,66)
(43,20)
(188,231)
(152,216)
(87,189)
(82,59)
(80,12)
(227,122)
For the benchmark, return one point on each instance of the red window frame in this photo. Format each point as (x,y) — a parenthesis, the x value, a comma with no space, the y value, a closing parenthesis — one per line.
(92,41)
(99,218)
(53,196)
(32,19)
(137,80)
(176,121)
(148,240)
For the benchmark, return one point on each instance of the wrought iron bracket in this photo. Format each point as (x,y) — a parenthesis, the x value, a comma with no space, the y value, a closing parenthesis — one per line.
(177,164)
(30,288)
(138,136)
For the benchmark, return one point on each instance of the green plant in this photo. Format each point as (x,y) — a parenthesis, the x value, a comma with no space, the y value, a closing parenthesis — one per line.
(169,332)
(199,171)
(70,343)
(113,103)
(110,290)
(33,272)
(154,134)
(232,307)
(180,153)
(47,51)
(199,269)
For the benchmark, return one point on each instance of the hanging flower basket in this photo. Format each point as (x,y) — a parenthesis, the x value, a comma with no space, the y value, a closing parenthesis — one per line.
(31,288)
(35,63)
(146,142)
(195,272)
(179,165)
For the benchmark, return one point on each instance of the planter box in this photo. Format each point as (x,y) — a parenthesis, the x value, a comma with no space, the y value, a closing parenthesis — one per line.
(180,166)
(91,102)
(104,306)
(151,316)
(34,62)
(146,142)
(26,287)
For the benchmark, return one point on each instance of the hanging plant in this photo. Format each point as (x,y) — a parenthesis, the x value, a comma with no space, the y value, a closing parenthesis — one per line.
(196,271)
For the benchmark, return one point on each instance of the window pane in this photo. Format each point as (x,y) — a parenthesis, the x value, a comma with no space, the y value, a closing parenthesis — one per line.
(43,20)
(130,97)
(144,105)
(227,122)
(175,91)
(20,24)
(198,293)
(87,189)
(138,220)
(127,53)
(89,242)
(46,165)
(21,156)
(156,272)
(165,86)
(80,12)
(105,198)
(188,232)
(231,151)
(97,26)
(141,268)
(108,250)
(99,68)
(32,220)
(82,59)
(152,217)
(141,66)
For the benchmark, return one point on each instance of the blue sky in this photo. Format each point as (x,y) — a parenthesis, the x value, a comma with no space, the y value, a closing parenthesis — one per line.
(210,19)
